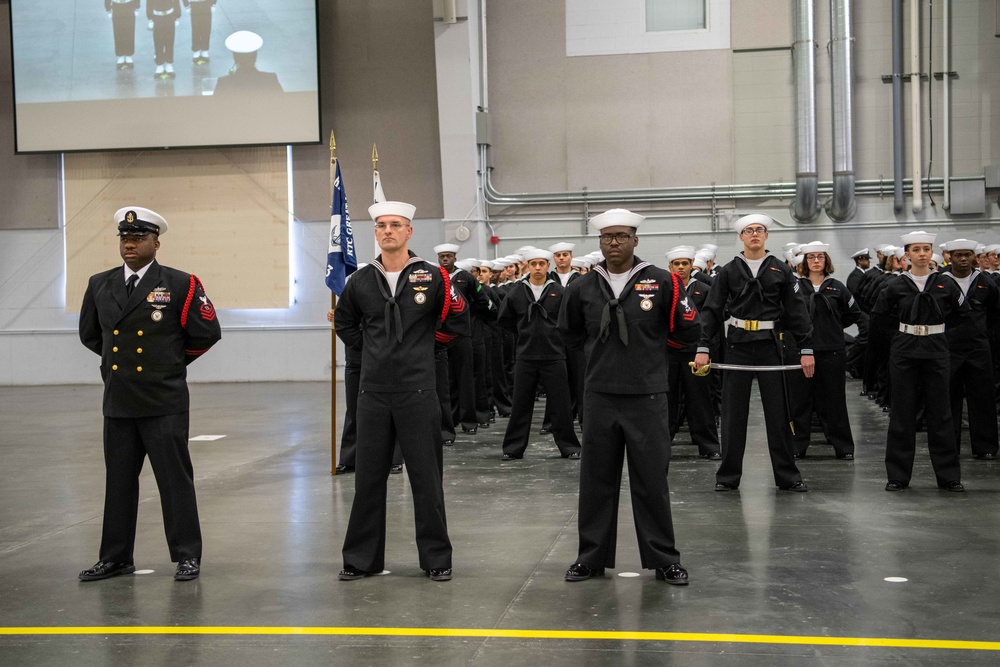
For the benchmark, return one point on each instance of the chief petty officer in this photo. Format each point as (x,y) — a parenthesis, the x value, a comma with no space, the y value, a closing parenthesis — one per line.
(147,322)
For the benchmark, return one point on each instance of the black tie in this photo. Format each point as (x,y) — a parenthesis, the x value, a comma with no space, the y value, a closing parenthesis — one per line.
(130,283)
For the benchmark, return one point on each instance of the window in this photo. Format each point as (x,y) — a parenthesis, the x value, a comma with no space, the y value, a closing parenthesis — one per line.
(672,15)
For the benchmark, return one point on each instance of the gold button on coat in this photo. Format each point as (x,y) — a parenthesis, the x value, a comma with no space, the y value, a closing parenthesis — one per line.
(139,369)
(140,333)
(114,349)
(116,332)
(139,351)
(115,367)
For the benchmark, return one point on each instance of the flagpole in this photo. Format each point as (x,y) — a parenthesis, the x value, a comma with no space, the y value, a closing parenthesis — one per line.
(333,335)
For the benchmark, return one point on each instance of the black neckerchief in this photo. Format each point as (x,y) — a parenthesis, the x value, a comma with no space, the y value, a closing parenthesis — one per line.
(392,313)
(615,303)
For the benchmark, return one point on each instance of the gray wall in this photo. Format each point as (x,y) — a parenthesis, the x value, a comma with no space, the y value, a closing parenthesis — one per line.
(694,118)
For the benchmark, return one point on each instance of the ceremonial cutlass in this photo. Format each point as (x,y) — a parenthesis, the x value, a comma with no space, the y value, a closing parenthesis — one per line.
(740,367)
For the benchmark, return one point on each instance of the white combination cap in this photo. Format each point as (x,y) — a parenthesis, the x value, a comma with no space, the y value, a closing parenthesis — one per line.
(139,221)
(616,217)
(446,247)
(764,221)
(562,247)
(244,41)
(961,244)
(917,237)
(681,252)
(399,208)
(861,253)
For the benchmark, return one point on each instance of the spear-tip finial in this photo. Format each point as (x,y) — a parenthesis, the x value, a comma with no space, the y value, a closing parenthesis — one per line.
(374,157)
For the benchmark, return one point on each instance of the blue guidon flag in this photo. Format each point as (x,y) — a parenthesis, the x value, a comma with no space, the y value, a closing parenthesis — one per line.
(341,258)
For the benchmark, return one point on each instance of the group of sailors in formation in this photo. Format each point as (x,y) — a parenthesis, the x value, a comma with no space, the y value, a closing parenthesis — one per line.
(631,347)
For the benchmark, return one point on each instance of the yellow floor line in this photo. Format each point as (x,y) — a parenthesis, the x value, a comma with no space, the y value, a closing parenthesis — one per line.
(486,633)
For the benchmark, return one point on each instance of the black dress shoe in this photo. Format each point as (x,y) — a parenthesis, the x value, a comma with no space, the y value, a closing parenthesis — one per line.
(846,457)
(442,574)
(797,456)
(797,487)
(449,442)
(396,469)
(893,485)
(188,569)
(952,486)
(343,470)
(543,431)
(985,457)
(102,570)
(351,573)
(715,456)
(470,431)
(726,486)
(575,456)
(485,424)
(580,572)
(674,575)
(510,457)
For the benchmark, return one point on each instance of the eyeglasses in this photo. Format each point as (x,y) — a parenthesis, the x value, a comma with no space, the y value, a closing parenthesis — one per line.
(394,226)
(754,231)
(620,237)
(813,256)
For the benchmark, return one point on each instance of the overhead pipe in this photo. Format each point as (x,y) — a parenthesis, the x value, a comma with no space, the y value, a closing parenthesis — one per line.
(805,207)
(915,150)
(897,105)
(946,101)
(843,205)
(758,191)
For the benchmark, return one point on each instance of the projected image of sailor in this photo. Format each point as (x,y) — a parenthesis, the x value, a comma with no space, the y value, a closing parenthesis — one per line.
(165,15)
(244,77)
(201,28)
(122,14)
(67,97)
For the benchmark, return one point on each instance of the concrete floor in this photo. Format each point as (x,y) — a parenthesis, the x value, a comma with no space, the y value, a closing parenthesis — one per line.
(796,568)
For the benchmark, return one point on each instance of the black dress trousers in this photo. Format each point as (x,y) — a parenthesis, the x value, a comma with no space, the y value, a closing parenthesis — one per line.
(697,393)
(736,410)
(123,22)
(414,418)
(552,376)
(972,380)
(634,428)
(127,442)
(826,392)
(463,385)
(916,383)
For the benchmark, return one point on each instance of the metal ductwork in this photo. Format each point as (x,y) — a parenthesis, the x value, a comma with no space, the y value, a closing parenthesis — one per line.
(843,205)
(897,105)
(805,208)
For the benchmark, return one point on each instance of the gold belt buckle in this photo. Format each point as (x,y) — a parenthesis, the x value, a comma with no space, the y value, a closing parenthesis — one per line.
(751,325)
(921,329)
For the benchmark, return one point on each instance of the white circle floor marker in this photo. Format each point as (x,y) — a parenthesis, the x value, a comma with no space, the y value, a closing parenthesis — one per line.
(144,571)
(628,574)
(896,580)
